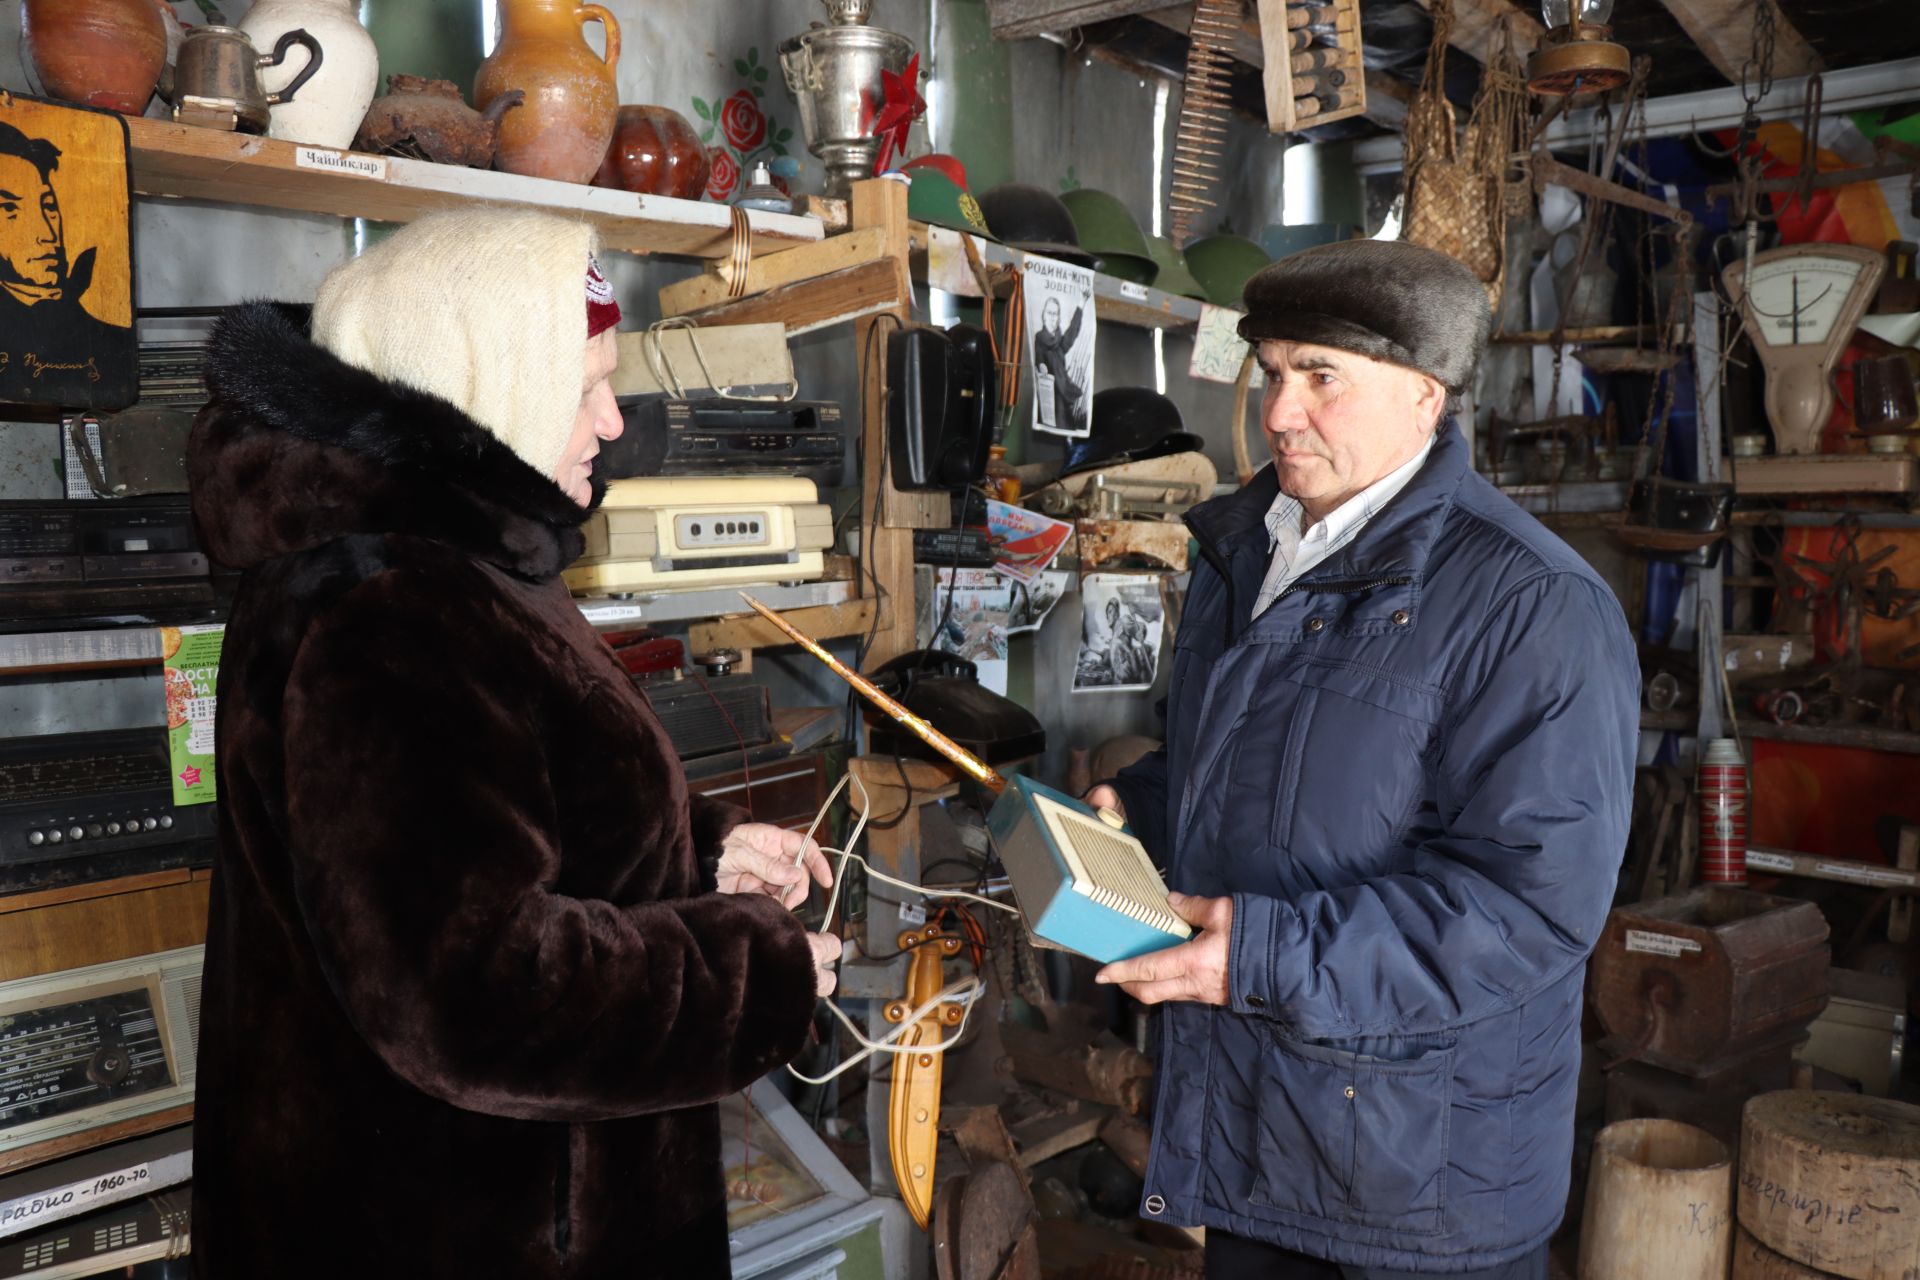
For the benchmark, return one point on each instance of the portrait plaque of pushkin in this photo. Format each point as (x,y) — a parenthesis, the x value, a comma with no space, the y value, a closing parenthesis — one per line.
(66,259)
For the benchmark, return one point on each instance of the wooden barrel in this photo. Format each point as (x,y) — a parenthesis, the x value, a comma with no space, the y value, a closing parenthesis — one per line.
(1832,1180)
(1754,1261)
(1659,1203)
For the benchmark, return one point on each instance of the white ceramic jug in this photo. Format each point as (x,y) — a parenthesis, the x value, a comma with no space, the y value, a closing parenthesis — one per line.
(328,110)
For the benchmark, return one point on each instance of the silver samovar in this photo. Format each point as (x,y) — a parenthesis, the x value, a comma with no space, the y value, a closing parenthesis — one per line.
(834,71)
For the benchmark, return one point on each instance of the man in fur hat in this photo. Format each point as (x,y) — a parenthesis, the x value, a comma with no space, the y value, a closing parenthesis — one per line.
(1393,800)
(479,968)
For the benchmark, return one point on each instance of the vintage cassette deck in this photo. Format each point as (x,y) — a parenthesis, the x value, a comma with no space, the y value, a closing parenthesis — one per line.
(669,437)
(96,556)
(672,535)
(84,1049)
(70,797)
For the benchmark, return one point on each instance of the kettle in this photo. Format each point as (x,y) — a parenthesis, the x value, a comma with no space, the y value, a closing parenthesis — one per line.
(215,83)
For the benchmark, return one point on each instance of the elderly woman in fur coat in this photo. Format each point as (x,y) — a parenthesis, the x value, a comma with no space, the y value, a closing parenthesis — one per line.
(479,967)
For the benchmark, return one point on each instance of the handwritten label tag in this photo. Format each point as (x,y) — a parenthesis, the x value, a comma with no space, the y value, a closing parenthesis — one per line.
(359,166)
(1659,944)
(66,1201)
(1757,861)
(1133,292)
(1864,874)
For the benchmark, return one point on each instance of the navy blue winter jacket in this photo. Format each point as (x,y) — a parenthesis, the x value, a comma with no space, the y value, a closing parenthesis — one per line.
(1413,773)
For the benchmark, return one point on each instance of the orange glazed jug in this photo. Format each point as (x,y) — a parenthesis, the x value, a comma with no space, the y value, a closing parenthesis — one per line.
(563,129)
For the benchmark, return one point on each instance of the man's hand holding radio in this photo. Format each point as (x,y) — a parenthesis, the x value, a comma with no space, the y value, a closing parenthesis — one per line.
(1195,970)
(1105,797)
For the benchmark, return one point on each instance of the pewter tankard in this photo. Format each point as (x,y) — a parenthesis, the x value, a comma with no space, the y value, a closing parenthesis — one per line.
(216,82)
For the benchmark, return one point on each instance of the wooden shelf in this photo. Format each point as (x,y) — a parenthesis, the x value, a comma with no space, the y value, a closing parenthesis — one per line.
(1115,301)
(1865,737)
(49,652)
(171,160)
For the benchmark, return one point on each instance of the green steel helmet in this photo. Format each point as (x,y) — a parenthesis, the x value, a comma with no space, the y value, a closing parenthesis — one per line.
(1122,267)
(1223,264)
(1173,276)
(938,199)
(1109,232)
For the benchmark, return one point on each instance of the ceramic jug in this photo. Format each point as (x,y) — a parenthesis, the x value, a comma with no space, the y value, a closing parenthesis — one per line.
(330,108)
(655,152)
(567,123)
(98,53)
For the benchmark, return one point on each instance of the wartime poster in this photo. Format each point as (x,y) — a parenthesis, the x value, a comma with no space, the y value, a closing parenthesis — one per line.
(1120,629)
(192,673)
(1060,331)
(66,265)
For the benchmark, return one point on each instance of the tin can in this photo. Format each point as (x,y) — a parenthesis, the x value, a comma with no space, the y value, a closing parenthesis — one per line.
(1723,813)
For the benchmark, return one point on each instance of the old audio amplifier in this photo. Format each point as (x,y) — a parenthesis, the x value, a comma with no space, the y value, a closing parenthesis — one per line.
(90,1049)
(674,535)
(81,806)
(669,437)
(710,714)
(99,555)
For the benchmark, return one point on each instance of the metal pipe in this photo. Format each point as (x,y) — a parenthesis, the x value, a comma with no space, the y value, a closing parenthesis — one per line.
(973,766)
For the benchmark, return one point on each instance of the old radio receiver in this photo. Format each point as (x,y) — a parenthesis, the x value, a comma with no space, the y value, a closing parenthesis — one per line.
(675,535)
(669,437)
(98,556)
(81,806)
(88,1048)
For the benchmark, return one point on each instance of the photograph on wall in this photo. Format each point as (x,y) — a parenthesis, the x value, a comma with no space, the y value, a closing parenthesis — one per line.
(1060,332)
(1121,624)
(66,264)
(985,609)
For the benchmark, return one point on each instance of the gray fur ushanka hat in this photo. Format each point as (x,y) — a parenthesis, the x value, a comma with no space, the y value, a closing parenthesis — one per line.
(1386,299)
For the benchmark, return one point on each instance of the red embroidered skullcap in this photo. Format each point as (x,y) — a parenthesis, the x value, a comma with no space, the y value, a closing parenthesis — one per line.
(603,313)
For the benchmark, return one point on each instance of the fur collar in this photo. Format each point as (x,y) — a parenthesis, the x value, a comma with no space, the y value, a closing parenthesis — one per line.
(298,448)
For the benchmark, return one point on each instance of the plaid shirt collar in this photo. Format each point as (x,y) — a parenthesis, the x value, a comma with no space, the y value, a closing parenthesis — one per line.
(1344,522)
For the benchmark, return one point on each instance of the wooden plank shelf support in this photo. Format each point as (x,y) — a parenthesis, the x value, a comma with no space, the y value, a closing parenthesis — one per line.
(750,631)
(179,161)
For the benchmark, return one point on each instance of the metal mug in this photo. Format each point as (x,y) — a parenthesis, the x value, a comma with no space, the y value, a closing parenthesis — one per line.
(216,80)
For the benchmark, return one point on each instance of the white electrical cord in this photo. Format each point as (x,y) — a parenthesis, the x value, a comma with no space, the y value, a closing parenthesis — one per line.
(966,991)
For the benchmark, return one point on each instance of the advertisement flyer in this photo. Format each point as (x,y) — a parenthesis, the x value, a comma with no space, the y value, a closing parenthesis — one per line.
(192,657)
(1027,542)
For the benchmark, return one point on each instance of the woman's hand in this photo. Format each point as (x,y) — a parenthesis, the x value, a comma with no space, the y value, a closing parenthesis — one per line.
(759,858)
(826,951)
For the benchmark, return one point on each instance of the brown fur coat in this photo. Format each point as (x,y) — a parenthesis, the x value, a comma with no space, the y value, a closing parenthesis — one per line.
(469,997)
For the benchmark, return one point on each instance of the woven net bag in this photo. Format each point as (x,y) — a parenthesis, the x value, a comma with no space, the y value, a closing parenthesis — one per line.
(1457,200)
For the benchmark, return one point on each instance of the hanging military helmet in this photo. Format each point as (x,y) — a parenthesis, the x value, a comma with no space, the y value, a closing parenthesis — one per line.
(1034,220)
(1129,424)
(1108,231)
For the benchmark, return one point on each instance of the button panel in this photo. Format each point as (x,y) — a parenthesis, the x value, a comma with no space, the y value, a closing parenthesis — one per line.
(722,529)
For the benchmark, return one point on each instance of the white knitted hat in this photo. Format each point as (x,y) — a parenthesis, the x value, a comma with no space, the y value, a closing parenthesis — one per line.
(484,308)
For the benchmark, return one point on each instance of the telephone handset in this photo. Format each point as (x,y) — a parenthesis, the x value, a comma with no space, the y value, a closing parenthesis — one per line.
(943,387)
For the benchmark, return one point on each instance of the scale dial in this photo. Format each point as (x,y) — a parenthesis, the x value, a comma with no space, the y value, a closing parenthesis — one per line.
(1801,305)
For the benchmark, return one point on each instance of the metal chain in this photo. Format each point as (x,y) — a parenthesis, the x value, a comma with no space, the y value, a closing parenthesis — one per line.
(1758,68)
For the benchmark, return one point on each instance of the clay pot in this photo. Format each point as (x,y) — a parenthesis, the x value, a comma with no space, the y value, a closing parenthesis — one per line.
(655,152)
(564,128)
(330,106)
(98,53)
(428,120)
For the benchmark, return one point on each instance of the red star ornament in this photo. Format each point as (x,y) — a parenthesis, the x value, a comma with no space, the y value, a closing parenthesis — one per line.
(901,105)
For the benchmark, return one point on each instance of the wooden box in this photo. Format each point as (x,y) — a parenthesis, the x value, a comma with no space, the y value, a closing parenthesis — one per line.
(1704,981)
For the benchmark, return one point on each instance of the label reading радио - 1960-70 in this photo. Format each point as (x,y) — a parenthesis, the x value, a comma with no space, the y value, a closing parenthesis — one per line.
(1659,944)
